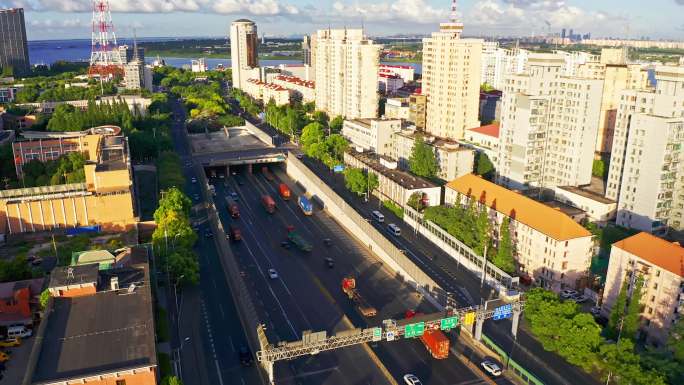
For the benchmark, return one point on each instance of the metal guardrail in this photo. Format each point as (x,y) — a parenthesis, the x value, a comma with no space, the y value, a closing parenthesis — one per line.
(459,251)
(522,373)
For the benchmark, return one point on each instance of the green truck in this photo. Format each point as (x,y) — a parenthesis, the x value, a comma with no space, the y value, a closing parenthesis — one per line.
(298,241)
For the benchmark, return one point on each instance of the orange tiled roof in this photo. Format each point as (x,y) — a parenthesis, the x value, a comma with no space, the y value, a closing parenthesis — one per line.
(489,130)
(538,216)
(667,255)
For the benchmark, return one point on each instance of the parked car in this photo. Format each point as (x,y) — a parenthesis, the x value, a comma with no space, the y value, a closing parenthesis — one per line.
(580,298)
(411,379)
(595,311)
(568,293)
(245,356)
(491,367)
(273,273)
(10,342)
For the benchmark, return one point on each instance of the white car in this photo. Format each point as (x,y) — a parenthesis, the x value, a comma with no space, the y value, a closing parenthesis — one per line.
(272,273)
(491,367)
(568,293)
(193,180)
(410,379)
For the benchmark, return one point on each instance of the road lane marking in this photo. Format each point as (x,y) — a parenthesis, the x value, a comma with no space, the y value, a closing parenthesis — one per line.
(232,347)
(223,315)
(218,371)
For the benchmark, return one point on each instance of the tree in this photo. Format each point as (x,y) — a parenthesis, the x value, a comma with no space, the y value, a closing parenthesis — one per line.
(336,145)
(630,325)
(173,199)
(44,298)
(503,259)
(625,366)
(482,229)
(598,168)
(336,124)
(617,313)
(484,166)
(415,201)
(675,341)
(184,267)
(320,117)
(373,182)
(171,380)
(355,180)
(422,161)
(311,133)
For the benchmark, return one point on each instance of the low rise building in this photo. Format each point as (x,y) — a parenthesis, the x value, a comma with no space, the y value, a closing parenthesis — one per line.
(198,65)
(453,159)
(389,84)
(7,94)
(406,73)
(374,135)
(100,328)
(106,197)
(19,301)
(397,108)
(550,247)
(267,91)
(417,107)
(598,208)
(661,266)
(394,184)
(490,106)
(486,140)
(301,90)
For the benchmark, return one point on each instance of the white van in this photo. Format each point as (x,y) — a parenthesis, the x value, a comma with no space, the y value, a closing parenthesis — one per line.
(377,215)
(18,331)
(394,229)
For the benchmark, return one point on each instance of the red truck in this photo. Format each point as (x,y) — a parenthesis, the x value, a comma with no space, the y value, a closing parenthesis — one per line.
(434,340)
(234,210)
(284,191)
(269,203)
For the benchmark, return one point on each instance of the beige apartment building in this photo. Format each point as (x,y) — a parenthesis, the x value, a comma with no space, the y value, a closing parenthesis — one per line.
(548,126)
(661,264)
(397,108)
(374,135)
(243,51)
(451,81)
(267,91)
(346,73)
(453,159)
(551,248)
(417,107)
(617,75)
(646,160)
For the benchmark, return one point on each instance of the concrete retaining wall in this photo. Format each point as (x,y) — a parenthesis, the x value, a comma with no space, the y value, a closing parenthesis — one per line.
(356,225)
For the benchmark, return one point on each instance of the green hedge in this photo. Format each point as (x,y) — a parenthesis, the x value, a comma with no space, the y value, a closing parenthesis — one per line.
(393,207)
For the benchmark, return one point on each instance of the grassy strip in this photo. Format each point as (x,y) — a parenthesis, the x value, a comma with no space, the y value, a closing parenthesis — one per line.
(394,208)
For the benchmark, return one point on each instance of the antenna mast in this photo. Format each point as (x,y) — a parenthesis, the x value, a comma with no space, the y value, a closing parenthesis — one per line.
(454,16)
(105,58)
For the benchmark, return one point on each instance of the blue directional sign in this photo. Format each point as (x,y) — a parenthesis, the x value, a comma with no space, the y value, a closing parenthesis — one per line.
(502,312)
(338,168)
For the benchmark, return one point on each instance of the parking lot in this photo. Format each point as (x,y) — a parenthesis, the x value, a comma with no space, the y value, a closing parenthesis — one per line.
(15,367)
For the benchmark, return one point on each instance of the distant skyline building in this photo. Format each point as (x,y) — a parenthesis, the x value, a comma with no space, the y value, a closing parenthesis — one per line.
(244,58)
(347,65)
(13,47)
(451,80)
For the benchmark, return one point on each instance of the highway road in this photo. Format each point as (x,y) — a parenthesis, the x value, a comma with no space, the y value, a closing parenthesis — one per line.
(307,294)
(208,332)
(549,367)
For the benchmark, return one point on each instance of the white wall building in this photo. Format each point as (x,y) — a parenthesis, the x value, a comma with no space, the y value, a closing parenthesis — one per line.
(346,73)
(551,247)
(549,124)
(302,90)
(485,139)
(453,159)
(599,209)
(397,108)
(243,51)
(451,81)
(198,65)
(646,162)
(375,135)
(406,73)
(497,63)
(389,83)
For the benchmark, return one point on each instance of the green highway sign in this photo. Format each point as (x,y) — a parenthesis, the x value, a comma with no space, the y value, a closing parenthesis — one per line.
(414,330)
(377,334)
(448,323)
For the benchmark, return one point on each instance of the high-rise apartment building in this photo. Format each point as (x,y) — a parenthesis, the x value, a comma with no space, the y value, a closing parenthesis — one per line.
(497,63)
(346,73)
(13,48)
(548,126)
(646,164)
(617,75)
(243,51)
(451,81)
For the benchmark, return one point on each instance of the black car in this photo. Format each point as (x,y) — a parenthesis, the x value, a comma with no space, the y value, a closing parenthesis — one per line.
(330,263)
(327,242)
(245,356)
(286,244)
(208,234)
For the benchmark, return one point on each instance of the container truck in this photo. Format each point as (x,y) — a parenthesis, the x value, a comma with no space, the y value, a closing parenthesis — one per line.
(434,340)
(363,307)
(305,205)
(284,191)
(269,203)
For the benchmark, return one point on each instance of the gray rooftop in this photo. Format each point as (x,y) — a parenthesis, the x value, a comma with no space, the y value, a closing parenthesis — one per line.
(402,178)
(100,333)
(74,275)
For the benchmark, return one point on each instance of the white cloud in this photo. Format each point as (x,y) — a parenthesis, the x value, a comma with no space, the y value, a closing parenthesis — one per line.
(525,15)
(51,24)
(412,11)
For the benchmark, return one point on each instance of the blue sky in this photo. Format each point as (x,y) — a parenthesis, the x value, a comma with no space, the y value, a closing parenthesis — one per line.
(660,19)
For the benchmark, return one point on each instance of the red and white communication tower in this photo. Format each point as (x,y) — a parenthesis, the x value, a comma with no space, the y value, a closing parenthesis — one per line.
(105,58)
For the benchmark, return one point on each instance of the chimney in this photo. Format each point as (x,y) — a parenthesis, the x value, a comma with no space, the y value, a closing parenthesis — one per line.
(114,282)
